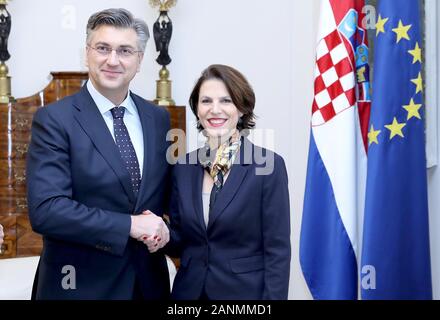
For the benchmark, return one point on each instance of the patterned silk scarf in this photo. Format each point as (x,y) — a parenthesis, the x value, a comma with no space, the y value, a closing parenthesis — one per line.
(219,165)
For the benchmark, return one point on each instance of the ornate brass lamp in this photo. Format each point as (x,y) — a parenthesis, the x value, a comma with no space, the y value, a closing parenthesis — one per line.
(5,29)
(162,31)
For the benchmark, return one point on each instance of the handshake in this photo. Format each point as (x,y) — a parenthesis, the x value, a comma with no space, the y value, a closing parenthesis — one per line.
(150,229)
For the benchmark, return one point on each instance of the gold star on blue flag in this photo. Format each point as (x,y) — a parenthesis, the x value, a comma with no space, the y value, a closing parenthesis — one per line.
(396,229)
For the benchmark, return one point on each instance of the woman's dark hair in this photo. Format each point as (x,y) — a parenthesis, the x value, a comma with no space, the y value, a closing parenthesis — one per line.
(238,88)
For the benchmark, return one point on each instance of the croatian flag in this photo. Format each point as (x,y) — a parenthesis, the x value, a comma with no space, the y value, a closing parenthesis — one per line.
(331,230)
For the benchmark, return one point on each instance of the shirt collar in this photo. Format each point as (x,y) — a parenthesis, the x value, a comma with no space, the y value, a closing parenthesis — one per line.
(105,105)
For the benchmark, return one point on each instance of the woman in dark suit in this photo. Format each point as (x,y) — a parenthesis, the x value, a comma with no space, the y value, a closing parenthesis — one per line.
(229,212)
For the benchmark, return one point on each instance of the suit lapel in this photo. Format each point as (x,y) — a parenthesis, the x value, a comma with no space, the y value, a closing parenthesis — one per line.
(149,132)
(197,181)
(90,119)
(230,188)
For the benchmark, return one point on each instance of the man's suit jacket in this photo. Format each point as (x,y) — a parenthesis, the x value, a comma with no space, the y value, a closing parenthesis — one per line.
(80,199)
(244,252)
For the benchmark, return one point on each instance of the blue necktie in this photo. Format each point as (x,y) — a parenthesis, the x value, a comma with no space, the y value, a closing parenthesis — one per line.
(126,148)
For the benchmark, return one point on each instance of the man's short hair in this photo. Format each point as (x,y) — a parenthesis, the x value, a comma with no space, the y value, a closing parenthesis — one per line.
(119,18)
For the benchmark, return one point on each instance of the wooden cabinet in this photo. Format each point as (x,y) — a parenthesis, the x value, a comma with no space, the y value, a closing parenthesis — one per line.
(15,133)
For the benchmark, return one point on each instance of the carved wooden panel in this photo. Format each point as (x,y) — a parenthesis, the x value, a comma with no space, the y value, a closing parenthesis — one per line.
(9,247)
(15,130)
(178,121)
(177,116)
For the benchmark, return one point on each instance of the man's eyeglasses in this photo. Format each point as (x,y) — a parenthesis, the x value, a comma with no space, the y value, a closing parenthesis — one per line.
(123,52)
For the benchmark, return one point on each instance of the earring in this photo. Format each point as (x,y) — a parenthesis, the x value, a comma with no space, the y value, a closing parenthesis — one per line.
(240,123)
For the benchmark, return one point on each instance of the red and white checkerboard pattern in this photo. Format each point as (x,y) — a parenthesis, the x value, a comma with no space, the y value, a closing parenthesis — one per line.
(334,79)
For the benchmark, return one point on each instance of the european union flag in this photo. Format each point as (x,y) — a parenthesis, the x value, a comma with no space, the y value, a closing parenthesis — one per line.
(396,256)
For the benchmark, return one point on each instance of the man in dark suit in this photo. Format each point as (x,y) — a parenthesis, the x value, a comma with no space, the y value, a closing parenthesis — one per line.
(96,169)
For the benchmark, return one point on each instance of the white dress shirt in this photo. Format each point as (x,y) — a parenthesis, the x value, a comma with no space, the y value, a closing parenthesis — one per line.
(131,120)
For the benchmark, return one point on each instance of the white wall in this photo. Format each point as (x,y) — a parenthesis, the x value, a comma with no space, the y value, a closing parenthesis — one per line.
(271,42)
(305,16)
